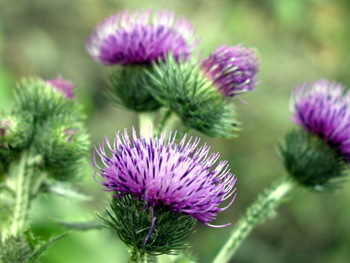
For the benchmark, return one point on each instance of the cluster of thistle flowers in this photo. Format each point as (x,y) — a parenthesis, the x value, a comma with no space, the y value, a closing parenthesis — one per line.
(161,186)
(42,141)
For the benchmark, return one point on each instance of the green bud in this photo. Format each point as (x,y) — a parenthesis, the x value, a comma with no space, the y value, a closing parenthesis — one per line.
(148,230)
(64,144)
(311,161)
(15,131)
(184,89)
(128,90)
(40,99)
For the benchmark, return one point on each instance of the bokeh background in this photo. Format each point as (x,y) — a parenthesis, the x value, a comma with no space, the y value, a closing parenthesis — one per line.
(297,41)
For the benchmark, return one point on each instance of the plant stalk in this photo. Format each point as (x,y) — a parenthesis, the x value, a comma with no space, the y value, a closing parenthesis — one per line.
(262,209)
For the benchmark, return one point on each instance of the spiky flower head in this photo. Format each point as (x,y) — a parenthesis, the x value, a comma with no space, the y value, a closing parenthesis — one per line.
(140,38)
(42,100)
(232,69)
(15,130)
(323,108)
(159,171)
(62,85)
(184,89)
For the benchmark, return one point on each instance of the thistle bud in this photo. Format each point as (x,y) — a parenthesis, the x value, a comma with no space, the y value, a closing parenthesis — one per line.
(184,89)
(231,69)
(15,131)
(63,143)
(40,99)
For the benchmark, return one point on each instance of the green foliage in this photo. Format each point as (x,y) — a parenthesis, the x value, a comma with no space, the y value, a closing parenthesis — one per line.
(132,220)
(128,89)
(182,88)
(311,161)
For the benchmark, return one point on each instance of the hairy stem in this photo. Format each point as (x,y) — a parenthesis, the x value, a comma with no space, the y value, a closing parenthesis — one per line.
(26,186)
(22,190)
(263,208)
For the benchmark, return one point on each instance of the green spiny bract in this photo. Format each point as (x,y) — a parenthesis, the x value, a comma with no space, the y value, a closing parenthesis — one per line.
(184,89)
(63,141)
(16,131)
(311,161)
(132,220)
(36,97)
(128,89)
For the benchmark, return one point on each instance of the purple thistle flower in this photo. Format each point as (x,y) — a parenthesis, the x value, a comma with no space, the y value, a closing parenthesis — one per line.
(159,171)
(323,108)
(140,38)
(232,69)
(62,85)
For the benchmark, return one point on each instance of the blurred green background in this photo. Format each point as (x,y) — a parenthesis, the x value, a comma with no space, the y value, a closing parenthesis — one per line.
(297,41)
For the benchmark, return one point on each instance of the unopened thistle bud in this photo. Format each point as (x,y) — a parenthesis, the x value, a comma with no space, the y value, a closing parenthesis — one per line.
(322,109)
(63,143)
(184,89)
(15,131)
(232,69)
(160,188)
(41,99)
(135,40)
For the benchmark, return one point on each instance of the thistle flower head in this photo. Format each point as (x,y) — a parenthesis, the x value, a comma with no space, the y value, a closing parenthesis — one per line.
(159,171)
(323,108)
(62,85)
(232,69)
(141,37)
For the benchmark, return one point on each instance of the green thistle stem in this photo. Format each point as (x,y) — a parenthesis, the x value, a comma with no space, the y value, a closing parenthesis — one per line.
(26,185)
(22,190)
(146,121)
(263,208)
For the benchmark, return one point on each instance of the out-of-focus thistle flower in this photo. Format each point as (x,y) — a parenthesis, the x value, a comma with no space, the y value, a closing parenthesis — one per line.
(232,69)
(323,108)
(321,151)
(65,86)
(140,38)
(180,178)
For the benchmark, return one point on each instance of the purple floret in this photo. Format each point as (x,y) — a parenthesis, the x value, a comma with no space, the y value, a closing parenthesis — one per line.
(140,38)
(323,108)
(232,69)
(62,85)
(160,172)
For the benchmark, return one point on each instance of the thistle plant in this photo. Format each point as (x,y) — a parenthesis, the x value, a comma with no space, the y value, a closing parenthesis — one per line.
(42,140)
(162,179)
